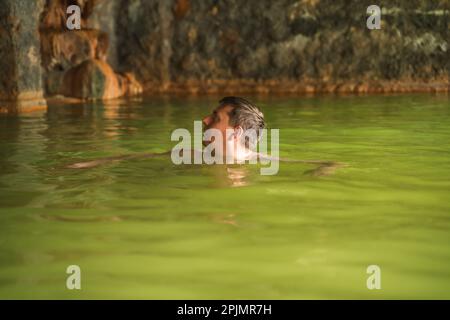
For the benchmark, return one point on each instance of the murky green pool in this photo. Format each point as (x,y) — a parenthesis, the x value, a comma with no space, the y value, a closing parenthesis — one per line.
(149,229)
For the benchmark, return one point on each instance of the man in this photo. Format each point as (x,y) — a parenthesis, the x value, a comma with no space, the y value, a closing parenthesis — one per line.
(233,118)
(239,124)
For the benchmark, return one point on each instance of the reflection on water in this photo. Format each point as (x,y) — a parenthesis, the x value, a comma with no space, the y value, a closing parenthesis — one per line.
(237,176)
(146,228)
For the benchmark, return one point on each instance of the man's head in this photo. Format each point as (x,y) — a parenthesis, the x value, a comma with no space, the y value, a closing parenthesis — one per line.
(238,115)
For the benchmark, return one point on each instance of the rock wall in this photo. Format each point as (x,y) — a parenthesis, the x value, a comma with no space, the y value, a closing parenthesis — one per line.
(76,61)
(104,16)
(20,70)
(233,46)
(284,45)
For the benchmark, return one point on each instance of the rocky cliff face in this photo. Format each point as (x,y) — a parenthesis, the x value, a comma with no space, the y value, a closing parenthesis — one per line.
(284,45)
(20,70)
(220,46)
(75,61)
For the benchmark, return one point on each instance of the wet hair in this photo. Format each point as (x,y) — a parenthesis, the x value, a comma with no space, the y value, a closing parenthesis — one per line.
(246,115)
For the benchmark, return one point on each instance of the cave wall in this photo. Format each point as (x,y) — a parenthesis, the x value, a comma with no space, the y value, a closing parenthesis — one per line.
(214,45)
(104,16)
(81,64)
(20,62)
(231,46)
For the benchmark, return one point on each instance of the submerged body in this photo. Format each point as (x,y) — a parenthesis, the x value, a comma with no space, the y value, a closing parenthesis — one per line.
(159,231)
(323,167)
(230,135)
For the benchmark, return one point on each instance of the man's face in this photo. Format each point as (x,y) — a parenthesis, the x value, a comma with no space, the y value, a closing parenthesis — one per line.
(218,119)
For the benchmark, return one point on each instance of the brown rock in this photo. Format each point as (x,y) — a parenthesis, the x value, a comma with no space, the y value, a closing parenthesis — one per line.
(66,49)
(128,84)
(92,79)
(181,8)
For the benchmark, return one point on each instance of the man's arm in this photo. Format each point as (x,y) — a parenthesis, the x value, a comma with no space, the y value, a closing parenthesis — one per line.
(270,158)
(324,168)
(97,162)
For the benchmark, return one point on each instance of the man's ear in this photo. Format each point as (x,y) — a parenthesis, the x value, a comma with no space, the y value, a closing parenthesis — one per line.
(238,132)
(235,133)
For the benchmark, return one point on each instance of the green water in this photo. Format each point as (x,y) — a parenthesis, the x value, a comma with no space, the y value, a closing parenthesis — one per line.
(150,229)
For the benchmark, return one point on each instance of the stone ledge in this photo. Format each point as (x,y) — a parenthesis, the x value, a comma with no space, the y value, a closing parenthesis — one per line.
(239,86)
(22,106)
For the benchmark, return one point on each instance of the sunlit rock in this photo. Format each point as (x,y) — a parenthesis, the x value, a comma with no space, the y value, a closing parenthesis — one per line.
(92,79)
(76,61)
(20,61)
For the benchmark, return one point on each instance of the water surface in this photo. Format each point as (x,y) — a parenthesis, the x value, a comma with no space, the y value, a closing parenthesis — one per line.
(150,229)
